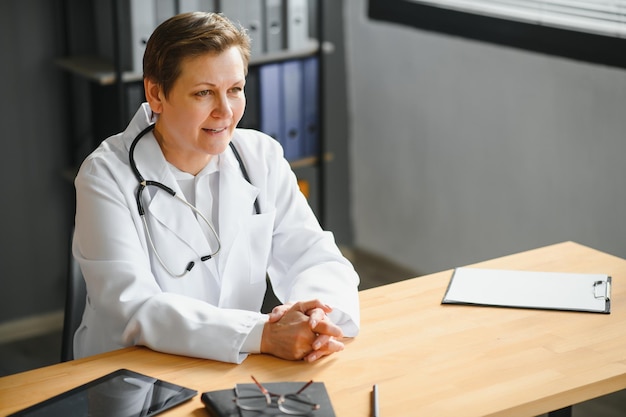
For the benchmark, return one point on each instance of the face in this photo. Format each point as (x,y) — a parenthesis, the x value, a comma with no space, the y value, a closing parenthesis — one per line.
(198,118)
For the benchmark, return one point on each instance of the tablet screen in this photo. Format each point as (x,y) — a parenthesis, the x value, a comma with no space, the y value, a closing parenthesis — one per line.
(122,393)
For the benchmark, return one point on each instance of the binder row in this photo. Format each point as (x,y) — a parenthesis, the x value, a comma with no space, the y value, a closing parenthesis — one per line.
(273,25)
(283,102)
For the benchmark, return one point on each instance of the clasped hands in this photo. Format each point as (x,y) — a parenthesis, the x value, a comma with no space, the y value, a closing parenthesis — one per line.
(301,330)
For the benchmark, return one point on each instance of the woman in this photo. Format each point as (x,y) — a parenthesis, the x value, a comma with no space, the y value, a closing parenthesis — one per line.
(186,274)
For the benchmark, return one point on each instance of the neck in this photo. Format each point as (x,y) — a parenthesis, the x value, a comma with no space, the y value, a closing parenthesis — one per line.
(189,162)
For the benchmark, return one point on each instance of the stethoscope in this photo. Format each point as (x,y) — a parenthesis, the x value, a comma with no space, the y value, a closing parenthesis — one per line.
(143,184)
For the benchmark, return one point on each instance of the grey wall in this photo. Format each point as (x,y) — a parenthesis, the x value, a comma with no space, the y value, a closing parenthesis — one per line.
(463,151)
(34,197)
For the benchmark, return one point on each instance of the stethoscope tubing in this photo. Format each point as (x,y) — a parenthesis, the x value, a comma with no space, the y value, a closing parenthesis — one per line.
(143,183)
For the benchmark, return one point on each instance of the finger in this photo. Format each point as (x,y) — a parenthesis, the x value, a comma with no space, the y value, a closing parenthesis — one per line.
(315,316)
(306,306)
(327,327)
(278,312)
(320,341)
(331,347)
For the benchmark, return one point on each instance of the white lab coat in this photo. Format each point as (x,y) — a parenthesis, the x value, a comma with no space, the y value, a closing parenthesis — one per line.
(133,300)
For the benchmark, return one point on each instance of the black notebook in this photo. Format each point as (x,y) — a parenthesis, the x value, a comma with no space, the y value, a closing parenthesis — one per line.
(221,403)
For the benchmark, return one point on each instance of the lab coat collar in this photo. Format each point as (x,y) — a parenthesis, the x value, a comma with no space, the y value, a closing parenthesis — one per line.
(143,118)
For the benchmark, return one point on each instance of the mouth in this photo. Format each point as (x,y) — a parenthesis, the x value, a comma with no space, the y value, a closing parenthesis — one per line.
(222,129)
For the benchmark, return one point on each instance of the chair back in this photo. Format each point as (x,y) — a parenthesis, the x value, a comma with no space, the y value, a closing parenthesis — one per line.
(75,297)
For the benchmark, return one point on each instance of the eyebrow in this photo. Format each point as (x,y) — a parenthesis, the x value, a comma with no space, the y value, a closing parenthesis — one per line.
(241,81)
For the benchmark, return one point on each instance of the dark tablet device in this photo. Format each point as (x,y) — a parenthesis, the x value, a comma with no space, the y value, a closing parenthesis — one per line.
(122,393)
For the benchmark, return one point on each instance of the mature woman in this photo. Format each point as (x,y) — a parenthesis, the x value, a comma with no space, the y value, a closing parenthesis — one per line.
(181,217)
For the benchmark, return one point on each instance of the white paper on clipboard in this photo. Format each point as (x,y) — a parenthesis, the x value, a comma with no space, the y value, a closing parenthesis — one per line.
(530,289)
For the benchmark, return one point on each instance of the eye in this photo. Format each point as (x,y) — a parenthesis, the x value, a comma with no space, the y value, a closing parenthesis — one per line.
(236,90)
(203,93)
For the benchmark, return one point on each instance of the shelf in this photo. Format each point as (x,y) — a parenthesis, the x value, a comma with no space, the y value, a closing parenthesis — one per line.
(102,71)
(311,49)
(309,161)
(95,68)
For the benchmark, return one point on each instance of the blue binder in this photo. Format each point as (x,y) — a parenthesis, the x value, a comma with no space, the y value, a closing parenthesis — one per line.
(311,107)
(270,100)
(293,109)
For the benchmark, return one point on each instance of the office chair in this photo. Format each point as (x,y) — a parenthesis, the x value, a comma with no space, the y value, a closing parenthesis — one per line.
(75,294)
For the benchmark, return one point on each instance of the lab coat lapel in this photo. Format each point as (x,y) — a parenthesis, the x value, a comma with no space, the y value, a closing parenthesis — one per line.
(236,206)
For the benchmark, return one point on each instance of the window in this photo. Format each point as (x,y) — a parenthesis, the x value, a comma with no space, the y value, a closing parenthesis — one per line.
(588,30)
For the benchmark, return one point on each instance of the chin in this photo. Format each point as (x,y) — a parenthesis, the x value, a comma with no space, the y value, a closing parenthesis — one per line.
(217,149)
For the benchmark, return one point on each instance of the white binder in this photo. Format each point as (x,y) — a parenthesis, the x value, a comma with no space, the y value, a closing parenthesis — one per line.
(196,5)
(528,289)
(143,22)
(273,21)
(249,14)
(163,10)
(297,24)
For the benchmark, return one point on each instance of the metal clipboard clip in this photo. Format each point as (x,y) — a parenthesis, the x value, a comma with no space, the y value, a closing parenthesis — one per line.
(602,289)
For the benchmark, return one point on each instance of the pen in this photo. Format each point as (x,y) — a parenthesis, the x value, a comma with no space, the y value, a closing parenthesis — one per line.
(375,411)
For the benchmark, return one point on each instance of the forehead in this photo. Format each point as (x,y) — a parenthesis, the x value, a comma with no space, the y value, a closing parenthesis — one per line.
(214,66)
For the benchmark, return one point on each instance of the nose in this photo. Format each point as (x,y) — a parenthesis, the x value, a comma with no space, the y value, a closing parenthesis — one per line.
(223,109)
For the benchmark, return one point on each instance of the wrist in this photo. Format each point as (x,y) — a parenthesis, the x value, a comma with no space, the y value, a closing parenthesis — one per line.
(265,346)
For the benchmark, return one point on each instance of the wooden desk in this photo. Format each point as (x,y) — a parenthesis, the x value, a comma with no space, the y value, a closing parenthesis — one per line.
(429,359)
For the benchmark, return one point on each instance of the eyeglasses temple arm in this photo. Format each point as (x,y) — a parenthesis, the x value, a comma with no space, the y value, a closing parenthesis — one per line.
(304,387)
(258,384)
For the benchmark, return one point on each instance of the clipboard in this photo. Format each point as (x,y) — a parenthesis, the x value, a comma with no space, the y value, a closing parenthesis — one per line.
(530,289)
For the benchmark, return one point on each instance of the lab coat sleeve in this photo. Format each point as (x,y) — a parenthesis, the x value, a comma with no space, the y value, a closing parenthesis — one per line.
(125,305)
(305,260)
(184,327)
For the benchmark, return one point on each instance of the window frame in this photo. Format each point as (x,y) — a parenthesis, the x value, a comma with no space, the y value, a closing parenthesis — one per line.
(581,46)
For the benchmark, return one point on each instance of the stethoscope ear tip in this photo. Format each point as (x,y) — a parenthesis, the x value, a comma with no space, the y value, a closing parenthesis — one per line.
(190,265)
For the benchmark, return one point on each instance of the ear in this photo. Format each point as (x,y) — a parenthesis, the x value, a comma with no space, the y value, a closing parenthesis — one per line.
(154,95)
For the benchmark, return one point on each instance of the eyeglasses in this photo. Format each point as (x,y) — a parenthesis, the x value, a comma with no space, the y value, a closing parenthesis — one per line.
(294,404)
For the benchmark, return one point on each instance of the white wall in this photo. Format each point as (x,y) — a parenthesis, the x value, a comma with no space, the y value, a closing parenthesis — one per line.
(463,151)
